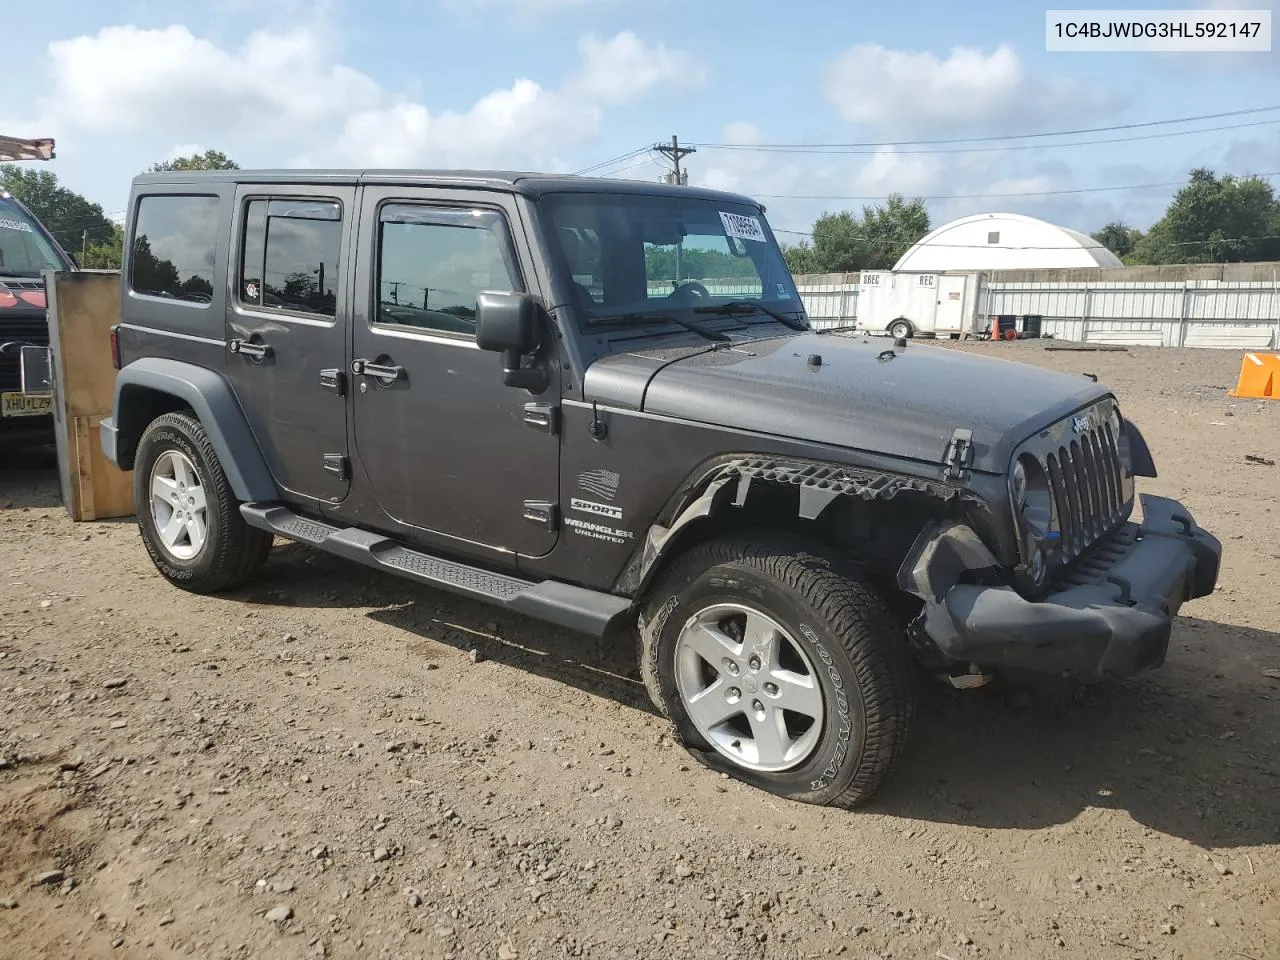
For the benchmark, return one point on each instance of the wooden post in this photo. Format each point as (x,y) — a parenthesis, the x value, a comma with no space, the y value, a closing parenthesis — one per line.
(83,307)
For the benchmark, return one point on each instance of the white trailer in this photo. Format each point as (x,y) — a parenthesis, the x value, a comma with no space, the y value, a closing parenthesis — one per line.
(916,304)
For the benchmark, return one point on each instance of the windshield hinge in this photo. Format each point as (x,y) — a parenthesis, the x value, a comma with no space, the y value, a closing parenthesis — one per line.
(959,455)
(544,513)
(542,416)
(334,380)
(338,465)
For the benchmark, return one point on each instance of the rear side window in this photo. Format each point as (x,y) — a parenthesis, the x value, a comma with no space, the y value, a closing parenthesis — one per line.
(173,248)
(289,255)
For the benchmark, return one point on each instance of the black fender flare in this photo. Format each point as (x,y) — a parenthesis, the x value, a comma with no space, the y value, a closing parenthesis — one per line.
(729,479)
(210,397)
(1133,446)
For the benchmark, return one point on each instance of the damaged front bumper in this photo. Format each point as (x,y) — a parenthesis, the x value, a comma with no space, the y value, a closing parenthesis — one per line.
(1111,617)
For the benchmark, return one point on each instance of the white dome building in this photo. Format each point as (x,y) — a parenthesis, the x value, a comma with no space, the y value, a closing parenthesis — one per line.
(1004,241)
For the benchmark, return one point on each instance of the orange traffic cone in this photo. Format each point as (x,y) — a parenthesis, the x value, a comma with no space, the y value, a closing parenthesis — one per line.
(1259,377)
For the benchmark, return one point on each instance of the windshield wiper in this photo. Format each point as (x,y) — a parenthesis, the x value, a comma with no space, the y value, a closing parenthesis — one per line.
(656,316)
(750,306)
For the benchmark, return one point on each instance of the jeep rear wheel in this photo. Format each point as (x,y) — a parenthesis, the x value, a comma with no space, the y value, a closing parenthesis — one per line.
(780,666)
(187,514)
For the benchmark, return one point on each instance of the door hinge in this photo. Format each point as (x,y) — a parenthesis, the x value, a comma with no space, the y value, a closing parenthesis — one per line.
(542,512)
(959,455)
(542,416)
(334,380)
(338,465)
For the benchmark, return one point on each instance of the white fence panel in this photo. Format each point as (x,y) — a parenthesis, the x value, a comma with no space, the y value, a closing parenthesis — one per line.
(1236,315)
(1231,336)
(830,306)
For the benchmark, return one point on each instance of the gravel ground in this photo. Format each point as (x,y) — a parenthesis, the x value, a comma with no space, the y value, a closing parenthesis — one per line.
(315,766)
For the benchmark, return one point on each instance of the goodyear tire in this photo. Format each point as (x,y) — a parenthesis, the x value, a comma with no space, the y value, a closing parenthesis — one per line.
(779,665)
(188,516)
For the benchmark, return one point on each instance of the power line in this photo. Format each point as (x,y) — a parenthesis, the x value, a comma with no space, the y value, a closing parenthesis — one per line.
(1012,136)
(843,151)
(633,166)
(997,196)
(619,159)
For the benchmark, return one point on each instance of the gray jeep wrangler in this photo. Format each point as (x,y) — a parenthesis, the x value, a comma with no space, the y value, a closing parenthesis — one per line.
(600,404)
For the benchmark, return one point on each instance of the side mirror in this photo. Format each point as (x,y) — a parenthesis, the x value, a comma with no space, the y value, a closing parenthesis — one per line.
(507,323)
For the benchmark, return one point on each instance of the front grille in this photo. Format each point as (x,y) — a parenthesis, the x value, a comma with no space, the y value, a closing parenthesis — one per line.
(1085,477)
(25,330)
(1085,492)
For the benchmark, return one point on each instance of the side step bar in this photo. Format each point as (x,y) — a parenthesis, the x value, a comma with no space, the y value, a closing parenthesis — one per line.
(575,608)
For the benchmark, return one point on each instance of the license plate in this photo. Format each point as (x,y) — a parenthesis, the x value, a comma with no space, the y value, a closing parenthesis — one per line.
(19,405)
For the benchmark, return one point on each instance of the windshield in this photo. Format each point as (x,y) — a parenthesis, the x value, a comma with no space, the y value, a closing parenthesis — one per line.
(24,249)
(628,254)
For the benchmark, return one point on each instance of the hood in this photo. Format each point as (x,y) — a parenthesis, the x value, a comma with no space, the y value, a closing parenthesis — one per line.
(906,407)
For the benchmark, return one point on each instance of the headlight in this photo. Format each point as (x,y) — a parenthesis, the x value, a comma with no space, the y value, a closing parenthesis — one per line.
(1018,485)
(1115,423)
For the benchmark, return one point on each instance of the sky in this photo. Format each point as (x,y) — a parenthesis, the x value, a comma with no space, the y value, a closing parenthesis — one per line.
(565,85)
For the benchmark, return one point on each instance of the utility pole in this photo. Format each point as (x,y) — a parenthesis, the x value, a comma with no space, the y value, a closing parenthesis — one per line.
(84,245)
(676,152)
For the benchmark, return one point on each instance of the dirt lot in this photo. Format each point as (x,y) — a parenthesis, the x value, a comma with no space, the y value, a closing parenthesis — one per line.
(314,766)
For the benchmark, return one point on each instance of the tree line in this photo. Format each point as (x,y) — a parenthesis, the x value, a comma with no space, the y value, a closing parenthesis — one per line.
(1212,219)
(80,227)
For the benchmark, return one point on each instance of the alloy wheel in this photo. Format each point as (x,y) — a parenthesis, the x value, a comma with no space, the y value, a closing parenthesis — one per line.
(748,687)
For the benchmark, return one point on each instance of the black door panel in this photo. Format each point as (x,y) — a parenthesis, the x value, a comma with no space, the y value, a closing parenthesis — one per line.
(287,322)
(443,443)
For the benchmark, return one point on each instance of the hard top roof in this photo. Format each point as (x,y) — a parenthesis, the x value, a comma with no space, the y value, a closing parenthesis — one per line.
(522,182)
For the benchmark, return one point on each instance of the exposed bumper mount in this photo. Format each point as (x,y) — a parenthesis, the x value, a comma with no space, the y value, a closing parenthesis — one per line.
(1111,618)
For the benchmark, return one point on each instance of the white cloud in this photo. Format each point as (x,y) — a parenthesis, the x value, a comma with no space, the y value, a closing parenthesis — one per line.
(522,10)
(519,125)
(624,68)
(184,150)
(285,94)
(1258,155)
(126,78)
(907,91)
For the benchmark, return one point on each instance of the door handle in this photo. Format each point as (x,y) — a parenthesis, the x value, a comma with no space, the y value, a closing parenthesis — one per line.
(384,372)
(257,351)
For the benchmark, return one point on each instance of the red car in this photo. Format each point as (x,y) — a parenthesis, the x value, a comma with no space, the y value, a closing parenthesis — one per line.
(27,250)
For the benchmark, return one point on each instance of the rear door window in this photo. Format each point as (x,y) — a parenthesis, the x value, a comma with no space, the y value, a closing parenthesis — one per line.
(289,255)
(173,248)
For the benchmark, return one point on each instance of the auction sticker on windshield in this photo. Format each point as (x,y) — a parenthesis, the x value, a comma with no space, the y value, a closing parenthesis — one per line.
(745,228)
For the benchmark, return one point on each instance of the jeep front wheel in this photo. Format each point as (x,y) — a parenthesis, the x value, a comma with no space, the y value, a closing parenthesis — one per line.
(781,667)
(187,514)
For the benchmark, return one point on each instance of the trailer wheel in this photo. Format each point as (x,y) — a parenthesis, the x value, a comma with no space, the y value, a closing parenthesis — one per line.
(901,329)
